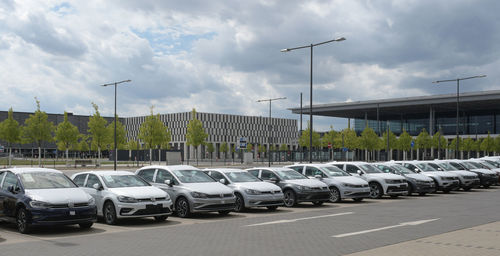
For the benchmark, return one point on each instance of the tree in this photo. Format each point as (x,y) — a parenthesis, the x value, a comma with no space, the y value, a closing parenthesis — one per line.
(262,150)
(488,144)
(99,134)
(423,141)
(38,129)
(369,140)
(439,142)
(468,145)
(329,138)
(453,144)
(404,143)
(132,145)
(392,142)
(249,147)
(10,132)
(66,135)
(121,135)
(304,140)
(283,147)
(210,149)
(497,144)
(153,133)
(83,145)
(195,134)
(224,148)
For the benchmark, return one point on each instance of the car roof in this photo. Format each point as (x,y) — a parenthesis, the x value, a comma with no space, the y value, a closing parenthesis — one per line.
(107,172)
(225,170)
(353,162)
(271,168)
(30,169)
(171,167)
(309,164)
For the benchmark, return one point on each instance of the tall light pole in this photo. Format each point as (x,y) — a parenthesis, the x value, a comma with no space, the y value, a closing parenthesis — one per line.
(270,129)
(311,86)
(458,101)
(116,150)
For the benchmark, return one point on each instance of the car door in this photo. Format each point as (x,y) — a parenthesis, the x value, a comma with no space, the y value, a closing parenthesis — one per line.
(10,198)
(98,195)
(159,180)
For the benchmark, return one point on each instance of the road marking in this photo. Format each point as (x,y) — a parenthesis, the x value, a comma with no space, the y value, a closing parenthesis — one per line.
(299,219)
(412,223)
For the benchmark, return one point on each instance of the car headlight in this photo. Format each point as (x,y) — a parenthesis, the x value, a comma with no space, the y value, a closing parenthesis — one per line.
(303,187)
(198,195)
(348,185)
(91,201)
(39,204)
(127,199)
(252,192)
(391,181)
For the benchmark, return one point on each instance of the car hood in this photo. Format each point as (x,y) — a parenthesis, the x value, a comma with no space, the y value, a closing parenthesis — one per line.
(439,174)
(349,179)
(210,188)
(484,171)
(260,186)
(386,176)
(464,173)
(139,192)
(307,182)
(418,177)
(58,195)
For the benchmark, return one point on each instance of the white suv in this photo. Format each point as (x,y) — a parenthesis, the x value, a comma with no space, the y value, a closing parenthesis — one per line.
(445,181)
(380,183)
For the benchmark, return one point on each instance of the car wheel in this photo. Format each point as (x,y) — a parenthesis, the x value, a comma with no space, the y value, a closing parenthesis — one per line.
(110,213)
(486,185)
(394,196)
(290,198)
(410,189)
(22,221)
(376,191)
(86,225)
(318,203)
(467,188)
(334,195)
(240,203)
(182,208)
(272,208)
(358,199)
(422,194)
(224,213)
(446,191)
(436,185)
(161,218)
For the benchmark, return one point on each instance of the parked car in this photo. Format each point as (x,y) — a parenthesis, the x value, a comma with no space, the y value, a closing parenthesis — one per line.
(121,194)
(486,177)
(444,181)
(340,183)
(490,165)
(40,197)
(468,180)
(417,183)
(191,189)
(249,190)
(295,186)
(380,183)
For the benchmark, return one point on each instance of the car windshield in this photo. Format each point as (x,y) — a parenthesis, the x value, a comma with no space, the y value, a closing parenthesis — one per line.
(488,165)
(447,167)
(476,165)
(401,169)
(493,163)
(426,167)
(334,171)
(241,177)
(193,176)
(370,169)
(435,166)
(468,165)
(123,181)
(45,180)
(290,175)
(458,166)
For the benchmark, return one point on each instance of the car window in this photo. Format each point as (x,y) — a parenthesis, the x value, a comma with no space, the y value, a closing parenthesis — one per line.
(122,181)
(267,175)
(46,180)
(163,175)
(351,168)
(384,168)
(217,175)
(1,178)
(80,179)
(410,166)
(192,176)
(10,180)
(147,174)
(313,171)
(297,168)
(91,180)
(254,172)
(241,177)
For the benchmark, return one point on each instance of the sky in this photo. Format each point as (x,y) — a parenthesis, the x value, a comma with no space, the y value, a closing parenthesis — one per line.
(223,56)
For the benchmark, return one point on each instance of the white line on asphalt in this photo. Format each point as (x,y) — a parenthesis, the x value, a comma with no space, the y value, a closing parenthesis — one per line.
(294,220)
(412,223)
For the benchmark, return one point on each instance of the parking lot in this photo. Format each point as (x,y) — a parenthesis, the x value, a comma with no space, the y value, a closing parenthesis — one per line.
(331,229)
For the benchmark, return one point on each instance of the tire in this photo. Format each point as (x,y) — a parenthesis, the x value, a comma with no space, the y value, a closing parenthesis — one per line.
(86,225)
(224,213)
(410,189)
(272,208)
(446,191)
(290,198)
(23,225)
(357,199)
(376,190)
(334,195)
(436,185)
(487,185)
(394,196)
(109,213)
(422,194)
(240,203)
(467,188)
(161,218)
(182,208)
(318,203)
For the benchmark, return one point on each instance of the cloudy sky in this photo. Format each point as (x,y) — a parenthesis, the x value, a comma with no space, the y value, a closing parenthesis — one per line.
(223,56)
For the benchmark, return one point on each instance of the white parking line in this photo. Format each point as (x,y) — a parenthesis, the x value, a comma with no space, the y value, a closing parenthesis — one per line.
(413,223)
(299,219)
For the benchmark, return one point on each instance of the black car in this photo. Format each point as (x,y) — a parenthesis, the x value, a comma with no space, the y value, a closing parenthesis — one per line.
(37,196)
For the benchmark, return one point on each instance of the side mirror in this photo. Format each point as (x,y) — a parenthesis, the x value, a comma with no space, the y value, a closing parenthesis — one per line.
(223,181)
(97,186)
(417,170)
(274,180)
(318,177)
(169,182)
(359,172)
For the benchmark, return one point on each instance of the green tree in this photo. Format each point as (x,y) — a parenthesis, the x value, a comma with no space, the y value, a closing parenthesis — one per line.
(392,141)
(262,150)
(330,138)
(223,149)
(99,133)
(37,129)
(369,140)
(468,145)
(404,143)
(195,134)
(304,140)
(488,144)
(67,135)
(132,145)
(210,149)
(273,148)
(85,143)
(497,144)
(423,141)
(439,142)
(283,147)
(453,144)
(121,135)
(10,132)
(249,147)
(152,133)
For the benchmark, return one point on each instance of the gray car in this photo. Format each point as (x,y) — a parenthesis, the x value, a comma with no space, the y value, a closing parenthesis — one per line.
(249,190)
(190,188)
(296,187)
(417,183)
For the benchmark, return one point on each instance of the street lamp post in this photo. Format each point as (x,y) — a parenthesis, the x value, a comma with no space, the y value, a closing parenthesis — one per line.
(311,86)
(116,150)
(270,129)
(458,101)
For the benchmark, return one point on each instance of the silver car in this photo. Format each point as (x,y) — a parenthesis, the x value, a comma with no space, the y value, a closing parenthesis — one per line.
(191,189)
(121,194)
(341,184)
(250,191)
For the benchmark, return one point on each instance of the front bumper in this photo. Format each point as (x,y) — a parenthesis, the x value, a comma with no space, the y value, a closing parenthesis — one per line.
(143,209)
(397,189)
(313,196)
(63,216)
(348,192)
(264,200)
(487,180)
(470,183)
(213,205)
(449,185)
(424,187)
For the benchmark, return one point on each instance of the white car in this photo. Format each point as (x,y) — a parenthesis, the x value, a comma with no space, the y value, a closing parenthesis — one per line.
(249,190)
(380,183)
(486,177)
(468,180)
(491,165)
(445,181)
(121,194)
(341,184)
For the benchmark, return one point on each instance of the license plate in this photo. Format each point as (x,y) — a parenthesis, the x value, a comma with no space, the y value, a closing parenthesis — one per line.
(72,213)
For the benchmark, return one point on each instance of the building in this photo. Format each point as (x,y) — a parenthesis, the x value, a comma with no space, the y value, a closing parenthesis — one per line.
(479,114)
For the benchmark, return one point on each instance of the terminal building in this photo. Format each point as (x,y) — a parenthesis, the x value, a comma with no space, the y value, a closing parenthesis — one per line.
(479,114)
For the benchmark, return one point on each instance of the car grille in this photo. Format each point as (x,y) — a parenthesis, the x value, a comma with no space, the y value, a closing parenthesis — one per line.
(151,199)
(58,206)
(219,196)
(152,209)
(469,177)
(448,178)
